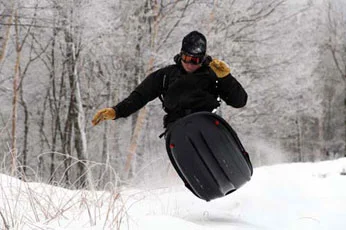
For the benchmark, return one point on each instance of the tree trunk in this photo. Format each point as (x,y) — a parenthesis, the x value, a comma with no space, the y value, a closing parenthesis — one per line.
(105,144)
(5,30)
(153,28)
(14,100)
(26,132)
(299,138)
(75,119)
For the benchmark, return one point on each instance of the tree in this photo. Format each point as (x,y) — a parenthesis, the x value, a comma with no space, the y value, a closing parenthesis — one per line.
(335,86)
(6,17)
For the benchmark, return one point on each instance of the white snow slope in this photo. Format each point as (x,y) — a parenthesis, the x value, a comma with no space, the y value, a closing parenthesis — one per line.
(299,196)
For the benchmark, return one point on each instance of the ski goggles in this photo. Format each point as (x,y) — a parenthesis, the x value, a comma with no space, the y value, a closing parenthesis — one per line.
(191,59)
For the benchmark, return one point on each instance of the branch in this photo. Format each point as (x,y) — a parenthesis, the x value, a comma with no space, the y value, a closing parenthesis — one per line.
(175,25)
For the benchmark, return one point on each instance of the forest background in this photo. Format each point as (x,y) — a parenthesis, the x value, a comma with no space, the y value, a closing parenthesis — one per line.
(61,61)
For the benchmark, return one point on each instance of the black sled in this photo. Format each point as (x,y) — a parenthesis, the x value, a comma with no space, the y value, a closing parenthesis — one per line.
(208,155)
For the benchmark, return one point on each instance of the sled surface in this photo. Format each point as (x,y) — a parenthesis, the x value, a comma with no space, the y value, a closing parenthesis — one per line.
(208,155)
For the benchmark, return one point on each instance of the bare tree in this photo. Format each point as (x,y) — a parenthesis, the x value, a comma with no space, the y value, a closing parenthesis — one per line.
(75,121)
(14,100)
(20,40)
(33,57)
(335,44)
(6,18)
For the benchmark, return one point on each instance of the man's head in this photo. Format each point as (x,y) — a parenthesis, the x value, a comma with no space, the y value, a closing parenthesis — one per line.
(194,44)
(193,50)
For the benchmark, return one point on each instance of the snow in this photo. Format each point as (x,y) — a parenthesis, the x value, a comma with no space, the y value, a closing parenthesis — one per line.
(287,196)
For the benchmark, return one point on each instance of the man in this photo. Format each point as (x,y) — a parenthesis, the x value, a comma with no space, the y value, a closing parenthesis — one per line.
(193,84)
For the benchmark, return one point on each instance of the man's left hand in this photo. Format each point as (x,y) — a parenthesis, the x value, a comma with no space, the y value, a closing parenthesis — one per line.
(220,68)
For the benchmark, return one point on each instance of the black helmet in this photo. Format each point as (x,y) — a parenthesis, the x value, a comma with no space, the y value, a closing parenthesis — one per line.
(194,44)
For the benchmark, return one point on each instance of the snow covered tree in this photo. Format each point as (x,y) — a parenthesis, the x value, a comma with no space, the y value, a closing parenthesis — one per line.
(335,83)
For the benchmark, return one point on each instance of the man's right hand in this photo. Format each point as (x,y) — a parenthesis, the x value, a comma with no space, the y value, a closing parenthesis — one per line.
(103,114)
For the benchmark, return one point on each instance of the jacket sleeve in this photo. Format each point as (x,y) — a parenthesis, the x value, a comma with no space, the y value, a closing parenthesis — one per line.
(146,91)
(232,92)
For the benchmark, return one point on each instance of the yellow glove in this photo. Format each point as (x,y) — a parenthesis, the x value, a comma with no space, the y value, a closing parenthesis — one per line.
(220,68)
(104,114)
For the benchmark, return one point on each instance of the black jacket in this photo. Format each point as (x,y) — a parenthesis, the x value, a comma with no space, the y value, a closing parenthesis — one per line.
(183,93)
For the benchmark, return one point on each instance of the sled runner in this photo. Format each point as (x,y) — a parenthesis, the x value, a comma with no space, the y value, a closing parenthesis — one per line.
(208,155)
